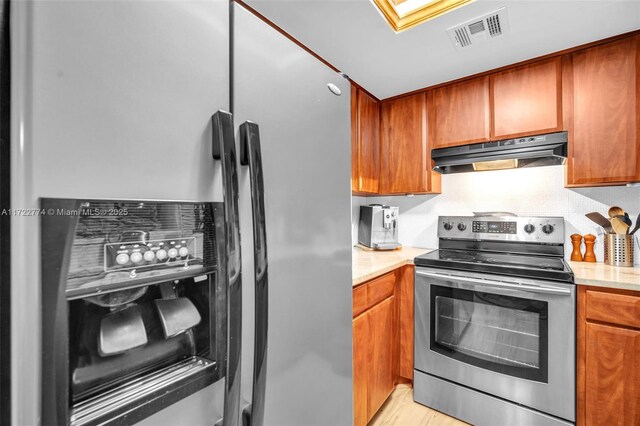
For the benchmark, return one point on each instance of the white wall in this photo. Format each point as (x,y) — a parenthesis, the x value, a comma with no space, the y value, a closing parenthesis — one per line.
(527,192)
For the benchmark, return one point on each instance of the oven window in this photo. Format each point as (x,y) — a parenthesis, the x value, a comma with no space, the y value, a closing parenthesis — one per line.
(500,333)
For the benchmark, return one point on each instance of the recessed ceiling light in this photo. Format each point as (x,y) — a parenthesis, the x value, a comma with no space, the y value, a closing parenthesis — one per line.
(404,14)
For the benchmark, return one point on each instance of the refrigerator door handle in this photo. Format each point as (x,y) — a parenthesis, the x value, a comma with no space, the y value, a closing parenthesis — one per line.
(224,149)
(250,155)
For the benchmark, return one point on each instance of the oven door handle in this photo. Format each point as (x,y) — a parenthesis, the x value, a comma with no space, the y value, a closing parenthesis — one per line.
(546,289)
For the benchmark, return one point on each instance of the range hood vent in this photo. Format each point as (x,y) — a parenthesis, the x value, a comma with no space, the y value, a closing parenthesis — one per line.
(480,29)
(530,151)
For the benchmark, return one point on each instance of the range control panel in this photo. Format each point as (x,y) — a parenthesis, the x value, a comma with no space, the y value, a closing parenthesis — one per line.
(502,228)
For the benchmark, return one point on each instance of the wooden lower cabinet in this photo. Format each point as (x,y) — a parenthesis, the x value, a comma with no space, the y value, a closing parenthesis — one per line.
(382,340)
(608,361)
(380,376)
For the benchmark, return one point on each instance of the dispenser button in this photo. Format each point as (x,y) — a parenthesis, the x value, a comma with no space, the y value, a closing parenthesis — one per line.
(173,253)
(149,255)
(161,254)
(122,259)
(136,257)
(183,251)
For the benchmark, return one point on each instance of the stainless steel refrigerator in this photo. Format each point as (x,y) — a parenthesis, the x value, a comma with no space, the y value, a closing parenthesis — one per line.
(114,100)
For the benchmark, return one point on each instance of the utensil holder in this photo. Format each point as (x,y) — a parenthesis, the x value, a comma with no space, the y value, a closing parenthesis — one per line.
(618,250)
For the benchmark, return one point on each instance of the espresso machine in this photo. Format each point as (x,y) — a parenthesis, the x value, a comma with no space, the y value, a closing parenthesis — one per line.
(378,227)
(139,315)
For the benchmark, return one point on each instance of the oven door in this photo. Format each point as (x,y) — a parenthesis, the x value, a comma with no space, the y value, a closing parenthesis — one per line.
(510,337)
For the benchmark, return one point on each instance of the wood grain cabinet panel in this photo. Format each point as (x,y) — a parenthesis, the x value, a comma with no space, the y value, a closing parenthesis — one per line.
(380,288)
(601,87)
(360,303)
(613,375)
(613,308)
(459,113)
(405,314)
(406,163)
(361,369)
(381,379)
(527,100)
(365,142)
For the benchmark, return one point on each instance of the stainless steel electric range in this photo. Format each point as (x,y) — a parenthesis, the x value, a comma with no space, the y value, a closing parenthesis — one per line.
(495,322)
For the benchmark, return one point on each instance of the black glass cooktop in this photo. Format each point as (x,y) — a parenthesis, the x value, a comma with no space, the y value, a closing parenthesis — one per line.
(544,267)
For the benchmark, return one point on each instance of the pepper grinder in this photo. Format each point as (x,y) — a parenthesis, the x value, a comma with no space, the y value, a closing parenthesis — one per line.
(589,241)
(576,255)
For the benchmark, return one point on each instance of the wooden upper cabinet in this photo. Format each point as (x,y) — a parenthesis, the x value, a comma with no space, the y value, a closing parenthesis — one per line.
(406,163)
(526,100)
(459,113)
(365,142)
(602,93)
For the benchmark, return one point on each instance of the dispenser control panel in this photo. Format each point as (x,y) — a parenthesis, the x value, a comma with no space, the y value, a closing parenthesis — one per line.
(139,254)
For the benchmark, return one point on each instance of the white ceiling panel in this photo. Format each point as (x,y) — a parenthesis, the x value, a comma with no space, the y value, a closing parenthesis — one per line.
(353,36)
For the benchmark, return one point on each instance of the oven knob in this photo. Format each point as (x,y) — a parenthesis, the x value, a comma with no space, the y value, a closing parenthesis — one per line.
(161,254)
(122,259)
(149,255)
(136,257)
(462,226)
(183,251)
(448,226)
(547,229)
(529,228)
(173,253)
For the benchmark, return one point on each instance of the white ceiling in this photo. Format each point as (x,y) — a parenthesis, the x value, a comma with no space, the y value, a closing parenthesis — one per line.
(353,36)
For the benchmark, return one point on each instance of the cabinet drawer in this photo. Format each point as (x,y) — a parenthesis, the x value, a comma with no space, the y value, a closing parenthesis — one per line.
(380,288)
(613,308)
(359,300)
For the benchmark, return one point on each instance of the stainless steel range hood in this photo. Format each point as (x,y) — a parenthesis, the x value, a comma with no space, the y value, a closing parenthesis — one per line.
(530,151)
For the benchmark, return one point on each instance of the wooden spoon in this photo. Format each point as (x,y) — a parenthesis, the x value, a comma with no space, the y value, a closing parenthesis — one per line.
(615,211)
(619,227)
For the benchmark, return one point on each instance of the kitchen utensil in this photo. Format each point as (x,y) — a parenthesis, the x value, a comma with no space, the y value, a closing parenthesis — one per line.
(626,219)
(589,241)
(633,231)
(615,211)
(576,240)
(618,250)
(600,220)
(618,225)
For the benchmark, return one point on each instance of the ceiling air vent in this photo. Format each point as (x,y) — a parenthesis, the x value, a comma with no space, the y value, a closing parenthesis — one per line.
(480,29)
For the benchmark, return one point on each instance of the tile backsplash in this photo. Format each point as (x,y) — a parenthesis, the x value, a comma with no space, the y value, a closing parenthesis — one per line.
(527,192)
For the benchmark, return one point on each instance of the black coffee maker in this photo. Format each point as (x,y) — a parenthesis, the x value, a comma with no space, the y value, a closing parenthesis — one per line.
(134,315)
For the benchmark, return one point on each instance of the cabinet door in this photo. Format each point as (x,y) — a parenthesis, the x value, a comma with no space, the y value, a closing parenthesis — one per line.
(601,84)
(527,100)
(404,145)
(459,113)
(381,355)
(612,375)
(361,369)
(368,139)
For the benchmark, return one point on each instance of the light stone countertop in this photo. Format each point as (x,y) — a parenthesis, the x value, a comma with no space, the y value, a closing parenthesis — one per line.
(601,275)
(368,264)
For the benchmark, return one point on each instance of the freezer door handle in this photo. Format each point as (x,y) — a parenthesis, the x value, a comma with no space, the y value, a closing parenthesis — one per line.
(224,149)
(250,155)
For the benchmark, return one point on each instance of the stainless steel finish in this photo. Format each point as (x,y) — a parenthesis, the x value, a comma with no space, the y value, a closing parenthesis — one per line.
(224,149)
(378,227)
(96,116)
(532,286)
(305,133)
(120,331)
(618,249)
(93,408)
(475,407)
(177,315)
(557,397)
(537,236)
(251,155)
